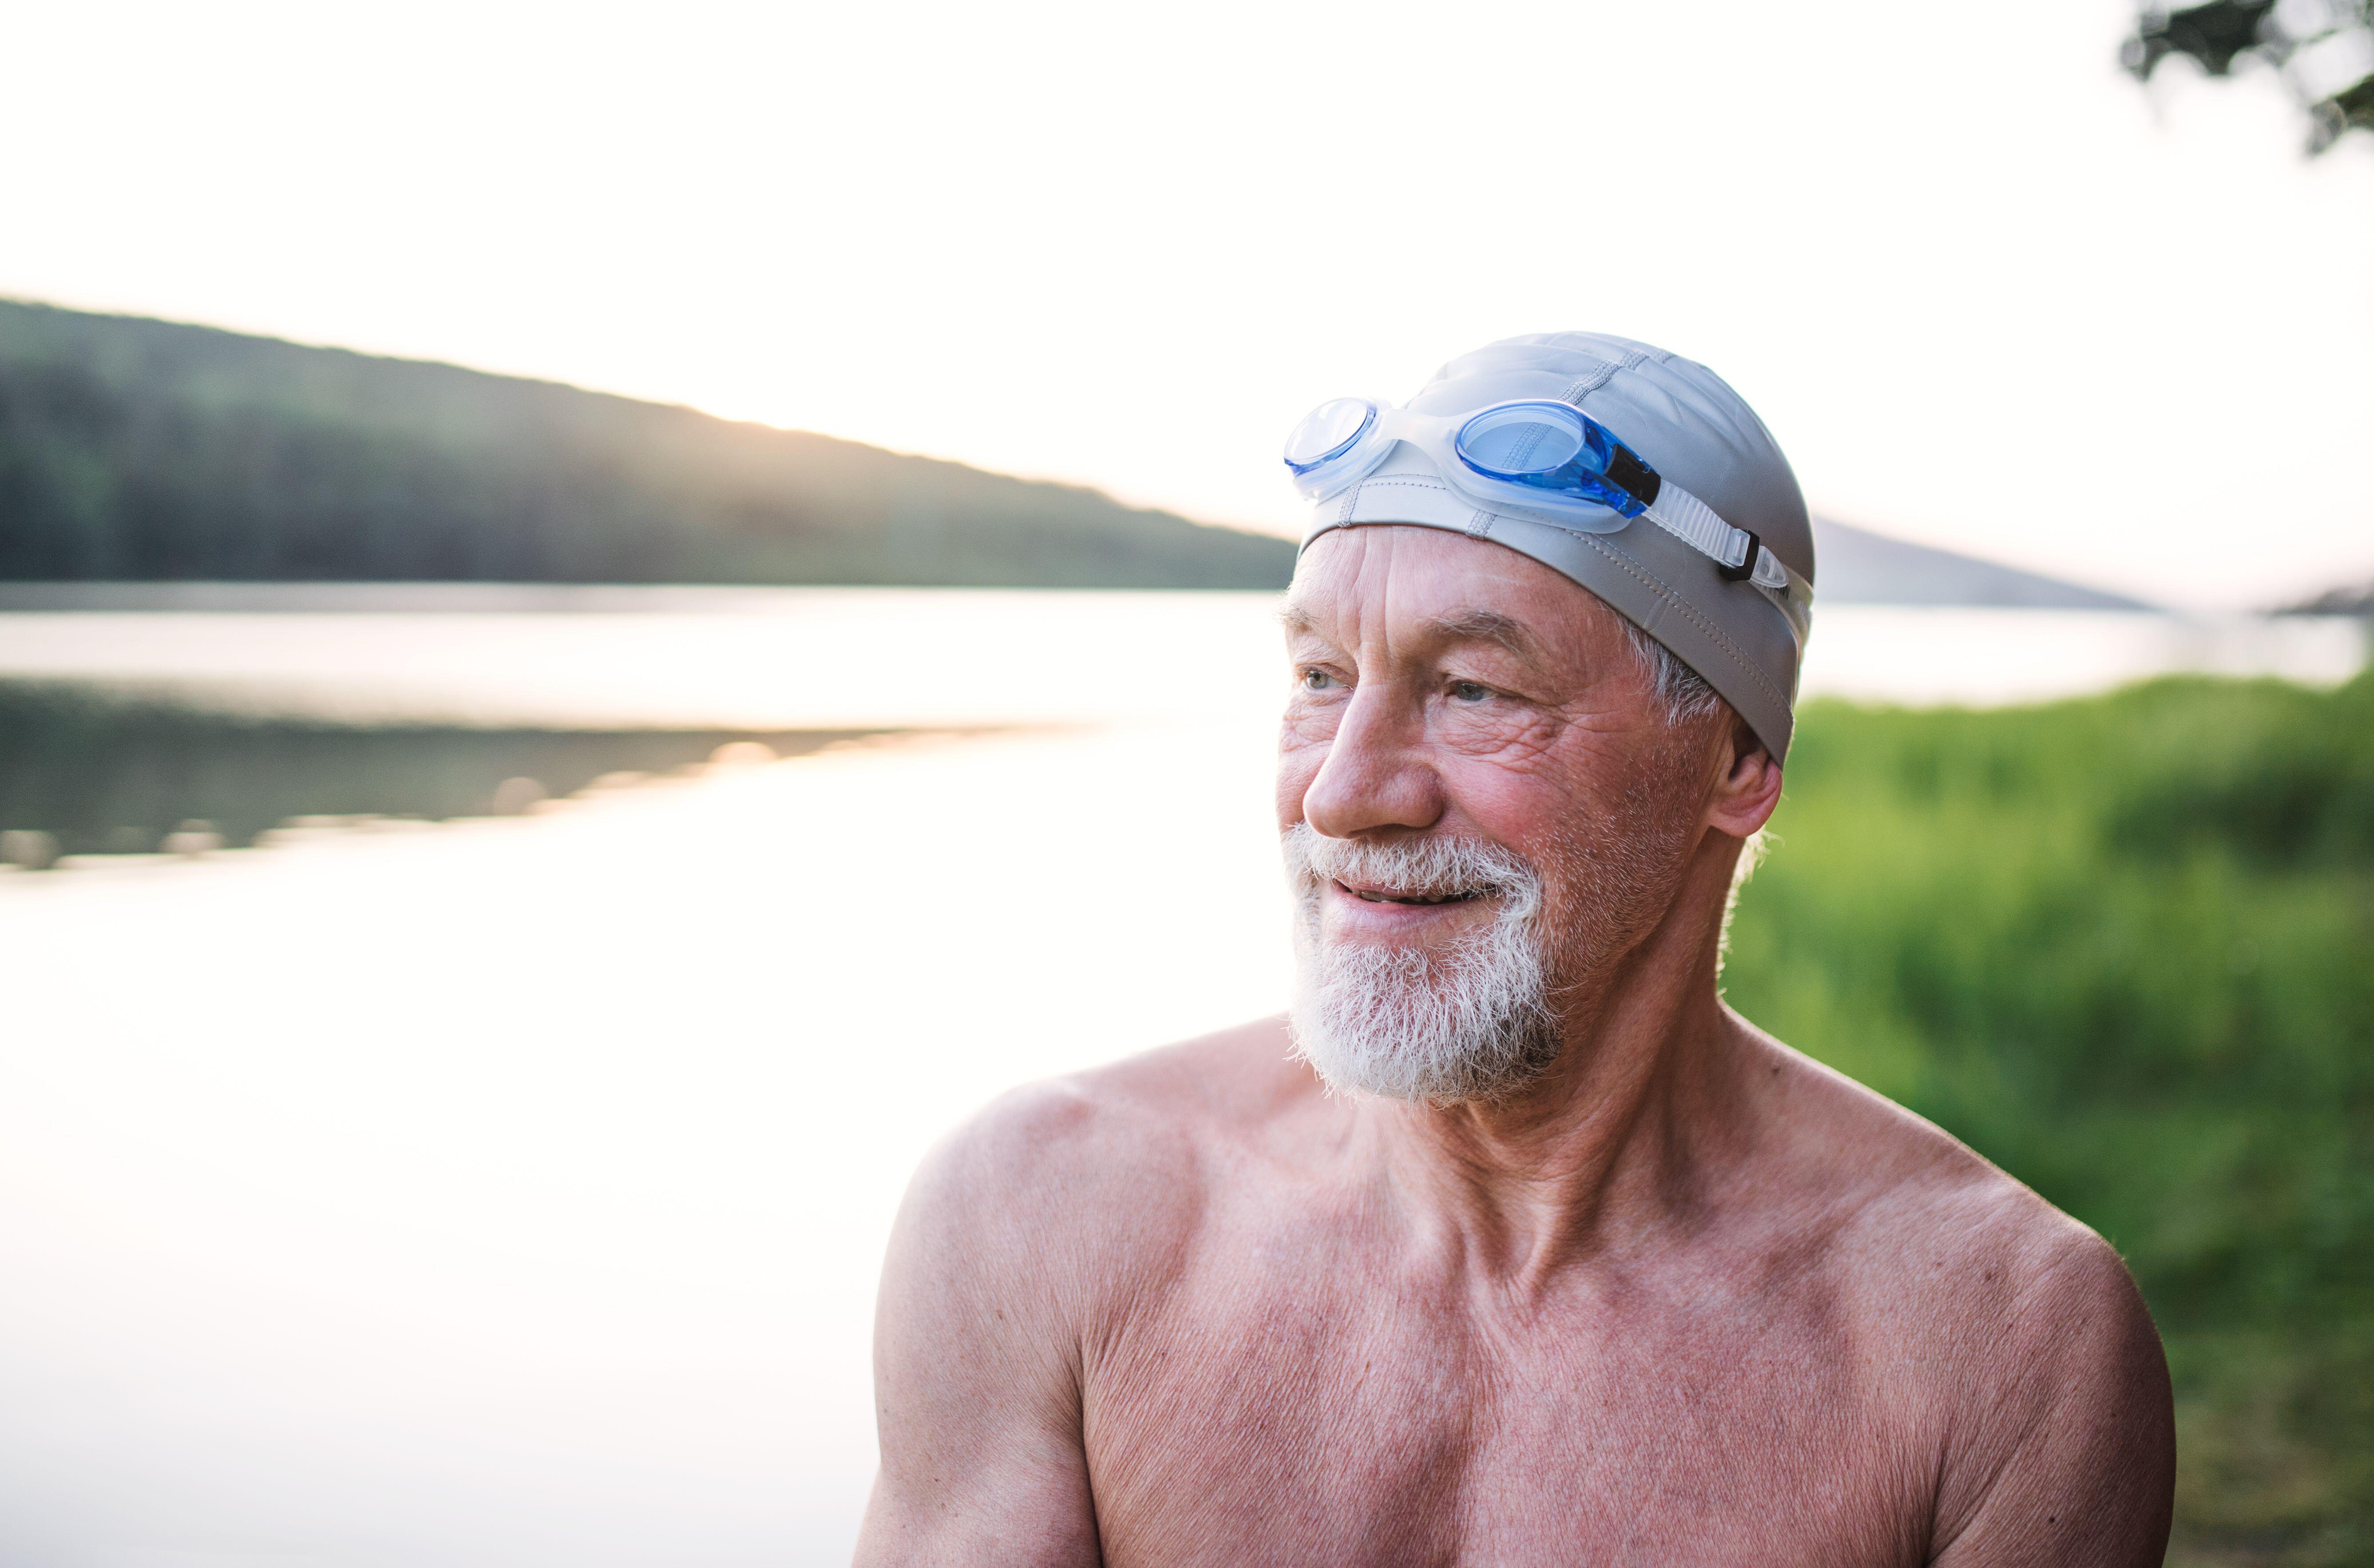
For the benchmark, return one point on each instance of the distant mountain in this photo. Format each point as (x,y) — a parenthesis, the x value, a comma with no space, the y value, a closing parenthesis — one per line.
(137,450)
(1856,566)
(145,450)
(2356,599)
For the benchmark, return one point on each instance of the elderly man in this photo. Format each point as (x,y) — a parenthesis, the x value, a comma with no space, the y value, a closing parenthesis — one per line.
(1513,1245)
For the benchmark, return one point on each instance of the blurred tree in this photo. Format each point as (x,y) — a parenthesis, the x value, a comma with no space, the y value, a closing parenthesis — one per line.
(139,450)
(2323,50)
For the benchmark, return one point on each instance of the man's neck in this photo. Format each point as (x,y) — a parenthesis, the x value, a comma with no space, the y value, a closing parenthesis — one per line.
(1608,1148)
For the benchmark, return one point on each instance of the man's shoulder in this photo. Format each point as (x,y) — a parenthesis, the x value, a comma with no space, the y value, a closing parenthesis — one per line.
(2009,1332)
(1225,1085)
(1125,1153)
(1155,1105)
(1942,1245)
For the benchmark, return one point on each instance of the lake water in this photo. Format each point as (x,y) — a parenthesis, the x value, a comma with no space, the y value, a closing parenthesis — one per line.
(835,657)
(510,1192)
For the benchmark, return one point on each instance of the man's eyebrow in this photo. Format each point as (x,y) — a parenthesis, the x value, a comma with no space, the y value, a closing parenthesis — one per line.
(1487,626)
(1504,631)
(1297,621)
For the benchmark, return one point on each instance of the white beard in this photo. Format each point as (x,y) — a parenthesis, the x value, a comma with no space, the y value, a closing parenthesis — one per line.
(1469,1021)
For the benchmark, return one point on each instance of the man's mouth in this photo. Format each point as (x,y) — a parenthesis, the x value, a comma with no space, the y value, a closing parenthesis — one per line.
(1389,895)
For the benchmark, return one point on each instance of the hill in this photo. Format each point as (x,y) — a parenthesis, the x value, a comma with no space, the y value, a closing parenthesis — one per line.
(2349,600)
(143,450)
(139,449)
(1856,566)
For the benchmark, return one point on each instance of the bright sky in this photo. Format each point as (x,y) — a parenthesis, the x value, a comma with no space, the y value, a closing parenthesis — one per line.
(1988,292)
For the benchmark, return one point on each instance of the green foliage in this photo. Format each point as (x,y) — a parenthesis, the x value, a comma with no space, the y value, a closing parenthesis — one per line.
(2125,948)
(2290,37)
(138,449)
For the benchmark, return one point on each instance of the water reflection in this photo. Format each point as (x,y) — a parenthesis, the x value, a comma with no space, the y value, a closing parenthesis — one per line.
(85,770)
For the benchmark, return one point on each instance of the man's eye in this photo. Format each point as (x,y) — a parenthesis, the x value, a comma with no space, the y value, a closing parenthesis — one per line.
(1468,692)
(1317,681)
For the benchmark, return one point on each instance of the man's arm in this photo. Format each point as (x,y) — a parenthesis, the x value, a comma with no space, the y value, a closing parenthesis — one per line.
(2070,1457)
(976,1360)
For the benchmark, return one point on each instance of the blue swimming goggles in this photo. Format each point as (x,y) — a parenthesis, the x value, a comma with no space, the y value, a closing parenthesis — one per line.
(1547,458)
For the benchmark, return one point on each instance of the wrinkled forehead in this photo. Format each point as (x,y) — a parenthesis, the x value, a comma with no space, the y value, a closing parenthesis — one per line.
(1406,588)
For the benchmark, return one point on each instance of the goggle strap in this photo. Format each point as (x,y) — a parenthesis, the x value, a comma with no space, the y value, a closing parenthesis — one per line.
(1740,555)
(1693,522)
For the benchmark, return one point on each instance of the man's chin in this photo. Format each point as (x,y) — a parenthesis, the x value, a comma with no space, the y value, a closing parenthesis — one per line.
(1380,1062)
(1408,1022)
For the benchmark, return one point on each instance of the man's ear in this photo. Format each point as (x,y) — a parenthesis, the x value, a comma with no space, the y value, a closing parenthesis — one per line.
(1748,789)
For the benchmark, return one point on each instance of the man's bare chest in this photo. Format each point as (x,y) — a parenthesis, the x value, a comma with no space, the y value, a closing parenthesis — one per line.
(1283,1415)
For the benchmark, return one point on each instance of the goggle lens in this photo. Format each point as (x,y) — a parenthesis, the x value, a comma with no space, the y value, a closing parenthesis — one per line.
(1550,447)
(1328,432)
(1523,441)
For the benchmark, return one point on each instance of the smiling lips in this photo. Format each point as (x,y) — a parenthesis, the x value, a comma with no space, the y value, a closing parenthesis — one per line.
(1383,895)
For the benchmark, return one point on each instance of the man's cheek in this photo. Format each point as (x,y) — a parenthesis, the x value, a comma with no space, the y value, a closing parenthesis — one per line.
(1299,762)
(1513,789)
(1519,741)
(1308,723)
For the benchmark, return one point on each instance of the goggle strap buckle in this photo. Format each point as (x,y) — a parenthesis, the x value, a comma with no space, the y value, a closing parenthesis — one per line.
(1770,572)
(1747,567)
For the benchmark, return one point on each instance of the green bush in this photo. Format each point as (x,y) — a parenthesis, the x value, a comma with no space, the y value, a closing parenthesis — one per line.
(2124,947)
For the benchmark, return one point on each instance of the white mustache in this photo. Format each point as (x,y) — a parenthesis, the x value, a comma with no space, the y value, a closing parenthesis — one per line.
(1431,867)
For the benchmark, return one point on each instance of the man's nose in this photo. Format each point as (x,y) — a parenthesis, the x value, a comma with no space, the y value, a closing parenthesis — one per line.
(1378,773)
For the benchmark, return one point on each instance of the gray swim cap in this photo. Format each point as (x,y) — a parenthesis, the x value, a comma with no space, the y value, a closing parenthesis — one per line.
(1745,639)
